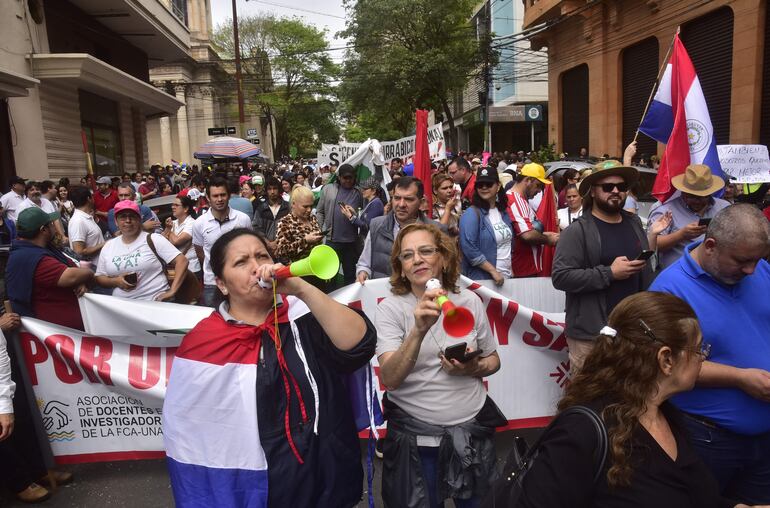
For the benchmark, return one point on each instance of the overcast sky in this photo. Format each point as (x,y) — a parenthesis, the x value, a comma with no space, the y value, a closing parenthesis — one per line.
(322,17)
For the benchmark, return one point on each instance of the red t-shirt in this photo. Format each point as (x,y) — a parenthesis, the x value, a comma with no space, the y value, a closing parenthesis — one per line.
(526,260)
(105,204)
(766,211)
(50,302)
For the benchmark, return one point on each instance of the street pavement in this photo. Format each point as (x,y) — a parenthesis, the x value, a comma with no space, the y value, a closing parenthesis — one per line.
(145,484)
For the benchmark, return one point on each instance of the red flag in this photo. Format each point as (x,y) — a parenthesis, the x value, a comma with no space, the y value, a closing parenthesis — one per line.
(546,213)
(422,156)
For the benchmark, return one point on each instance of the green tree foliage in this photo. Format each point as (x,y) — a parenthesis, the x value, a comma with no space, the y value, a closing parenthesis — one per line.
(409,54)
(287,76)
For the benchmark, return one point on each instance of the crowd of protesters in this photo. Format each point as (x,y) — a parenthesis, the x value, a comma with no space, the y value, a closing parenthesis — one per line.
(647,299)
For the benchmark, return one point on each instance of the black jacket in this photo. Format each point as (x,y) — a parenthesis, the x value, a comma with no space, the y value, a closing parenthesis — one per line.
(577,271)
(263,220)
(562,473)
(331,475)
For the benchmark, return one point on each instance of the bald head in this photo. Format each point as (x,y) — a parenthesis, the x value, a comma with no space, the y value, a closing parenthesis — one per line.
(736,240)
(738,224)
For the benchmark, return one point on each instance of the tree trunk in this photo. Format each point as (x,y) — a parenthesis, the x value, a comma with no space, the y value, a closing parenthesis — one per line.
(452,141)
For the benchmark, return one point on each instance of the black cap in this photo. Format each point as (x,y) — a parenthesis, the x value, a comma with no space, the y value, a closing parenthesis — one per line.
(487,174)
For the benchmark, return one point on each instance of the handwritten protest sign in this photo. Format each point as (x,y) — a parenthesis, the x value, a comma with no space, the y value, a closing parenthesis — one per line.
(745,163)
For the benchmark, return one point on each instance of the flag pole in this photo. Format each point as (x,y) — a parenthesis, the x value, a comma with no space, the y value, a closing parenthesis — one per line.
(657,81)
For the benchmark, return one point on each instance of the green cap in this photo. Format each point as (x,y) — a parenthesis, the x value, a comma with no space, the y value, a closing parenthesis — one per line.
(31,220)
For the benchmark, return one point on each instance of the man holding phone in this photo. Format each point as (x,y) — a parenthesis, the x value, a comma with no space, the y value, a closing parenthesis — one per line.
(598,258)
(691,207)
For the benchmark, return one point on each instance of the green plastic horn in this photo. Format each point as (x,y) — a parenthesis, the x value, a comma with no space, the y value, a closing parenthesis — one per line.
(322,262)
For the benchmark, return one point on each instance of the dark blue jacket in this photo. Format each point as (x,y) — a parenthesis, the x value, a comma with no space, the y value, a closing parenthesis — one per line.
(20,273)
(477,241)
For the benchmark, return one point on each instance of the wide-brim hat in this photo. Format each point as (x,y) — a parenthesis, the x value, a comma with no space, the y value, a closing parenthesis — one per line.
(697,180)
(609,168)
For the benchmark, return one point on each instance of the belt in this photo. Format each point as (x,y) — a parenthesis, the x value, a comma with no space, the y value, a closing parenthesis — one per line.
(702,419)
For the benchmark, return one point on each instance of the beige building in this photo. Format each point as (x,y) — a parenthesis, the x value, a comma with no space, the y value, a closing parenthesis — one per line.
(78,76)
(206,86)
(604,56)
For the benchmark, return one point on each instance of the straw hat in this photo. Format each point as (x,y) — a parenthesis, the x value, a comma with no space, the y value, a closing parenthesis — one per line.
(698,181)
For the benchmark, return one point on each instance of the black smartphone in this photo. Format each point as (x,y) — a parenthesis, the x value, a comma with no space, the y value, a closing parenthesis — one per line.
(704,221)
(645,255)
(340,203)
(130,278)
(457,352)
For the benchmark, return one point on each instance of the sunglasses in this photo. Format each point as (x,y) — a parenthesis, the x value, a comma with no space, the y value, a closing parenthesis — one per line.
(485,185)
(704,350)
(608,187)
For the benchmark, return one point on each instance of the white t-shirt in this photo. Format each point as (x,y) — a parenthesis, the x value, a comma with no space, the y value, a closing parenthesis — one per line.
(206,231)
(503,237)
(118,258)
(187,227)
(11,202)
(44,205)
(428,392)
(566,218)
(83,228)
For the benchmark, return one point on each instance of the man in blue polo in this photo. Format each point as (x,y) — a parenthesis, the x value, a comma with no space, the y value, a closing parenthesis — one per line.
(726,281)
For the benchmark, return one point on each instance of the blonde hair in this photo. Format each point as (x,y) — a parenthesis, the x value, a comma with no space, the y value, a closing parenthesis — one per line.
(299,192)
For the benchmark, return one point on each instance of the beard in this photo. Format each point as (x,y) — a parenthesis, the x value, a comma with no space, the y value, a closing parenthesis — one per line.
(608,206)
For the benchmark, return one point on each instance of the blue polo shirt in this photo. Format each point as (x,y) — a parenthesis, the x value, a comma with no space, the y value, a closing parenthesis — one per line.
(735,320)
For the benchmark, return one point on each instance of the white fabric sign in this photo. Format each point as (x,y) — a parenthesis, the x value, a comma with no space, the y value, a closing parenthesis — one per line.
(101,392)
(402,148)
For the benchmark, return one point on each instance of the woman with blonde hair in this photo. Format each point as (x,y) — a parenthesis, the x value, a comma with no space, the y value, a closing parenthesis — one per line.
(651,350)
(298,232)
(441,422)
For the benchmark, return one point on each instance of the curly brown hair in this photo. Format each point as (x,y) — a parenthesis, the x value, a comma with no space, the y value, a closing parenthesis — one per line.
(447,247)
(625,369)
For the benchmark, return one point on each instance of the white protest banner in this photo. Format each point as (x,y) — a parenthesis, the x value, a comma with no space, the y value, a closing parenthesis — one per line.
(745,163)
(402,148)
(101,393)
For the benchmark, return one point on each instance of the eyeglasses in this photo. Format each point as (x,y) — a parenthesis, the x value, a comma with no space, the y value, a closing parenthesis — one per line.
(127,217)
(704,350)
(608,187)
(425,252)
(484,185)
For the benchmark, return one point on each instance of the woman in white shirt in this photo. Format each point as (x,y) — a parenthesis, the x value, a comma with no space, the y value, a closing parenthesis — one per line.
(128,264)
(178,231)
(574,206)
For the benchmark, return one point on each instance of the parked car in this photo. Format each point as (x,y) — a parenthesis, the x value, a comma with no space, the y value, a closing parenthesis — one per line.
(555,170)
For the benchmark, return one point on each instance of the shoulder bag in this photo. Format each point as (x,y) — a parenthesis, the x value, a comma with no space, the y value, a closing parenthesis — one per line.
(190,289)
(506,491)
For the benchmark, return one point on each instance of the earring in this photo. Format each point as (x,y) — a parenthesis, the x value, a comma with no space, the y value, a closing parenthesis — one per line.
(224,292)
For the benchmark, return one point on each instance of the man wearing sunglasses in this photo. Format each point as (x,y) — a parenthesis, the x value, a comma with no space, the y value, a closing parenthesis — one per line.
(596,258)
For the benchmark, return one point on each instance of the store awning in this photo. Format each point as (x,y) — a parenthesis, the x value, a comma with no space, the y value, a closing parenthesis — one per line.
(95,76)
(13,84)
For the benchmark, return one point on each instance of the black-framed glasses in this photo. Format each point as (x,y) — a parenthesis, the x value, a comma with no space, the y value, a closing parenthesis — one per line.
(608,187)
(704,350)
(425,252)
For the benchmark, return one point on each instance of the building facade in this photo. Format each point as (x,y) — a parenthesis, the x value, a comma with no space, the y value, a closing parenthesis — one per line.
(205,84)
(604,58)
(82,92)
(518,80)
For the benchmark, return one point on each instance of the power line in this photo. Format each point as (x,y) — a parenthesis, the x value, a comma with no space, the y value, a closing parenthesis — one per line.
(298,9)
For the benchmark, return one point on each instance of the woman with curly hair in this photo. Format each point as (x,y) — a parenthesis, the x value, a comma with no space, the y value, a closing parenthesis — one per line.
(651,350)
(441,422)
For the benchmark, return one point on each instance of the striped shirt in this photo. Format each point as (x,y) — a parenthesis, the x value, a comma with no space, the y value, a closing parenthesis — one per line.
(526,259)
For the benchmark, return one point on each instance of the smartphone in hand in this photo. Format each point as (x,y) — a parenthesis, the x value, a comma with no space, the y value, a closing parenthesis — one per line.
(457,352)
(704,221)
(645,255)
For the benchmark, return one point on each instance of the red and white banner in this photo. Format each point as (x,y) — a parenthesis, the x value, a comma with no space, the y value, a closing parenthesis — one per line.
(101,393)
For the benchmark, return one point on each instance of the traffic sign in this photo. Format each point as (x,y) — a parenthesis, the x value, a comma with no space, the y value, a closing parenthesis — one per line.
(216,131)
(231,130)
(252,133)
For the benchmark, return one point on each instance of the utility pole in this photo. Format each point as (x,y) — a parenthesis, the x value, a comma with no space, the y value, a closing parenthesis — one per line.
(238,77)
(487,77)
